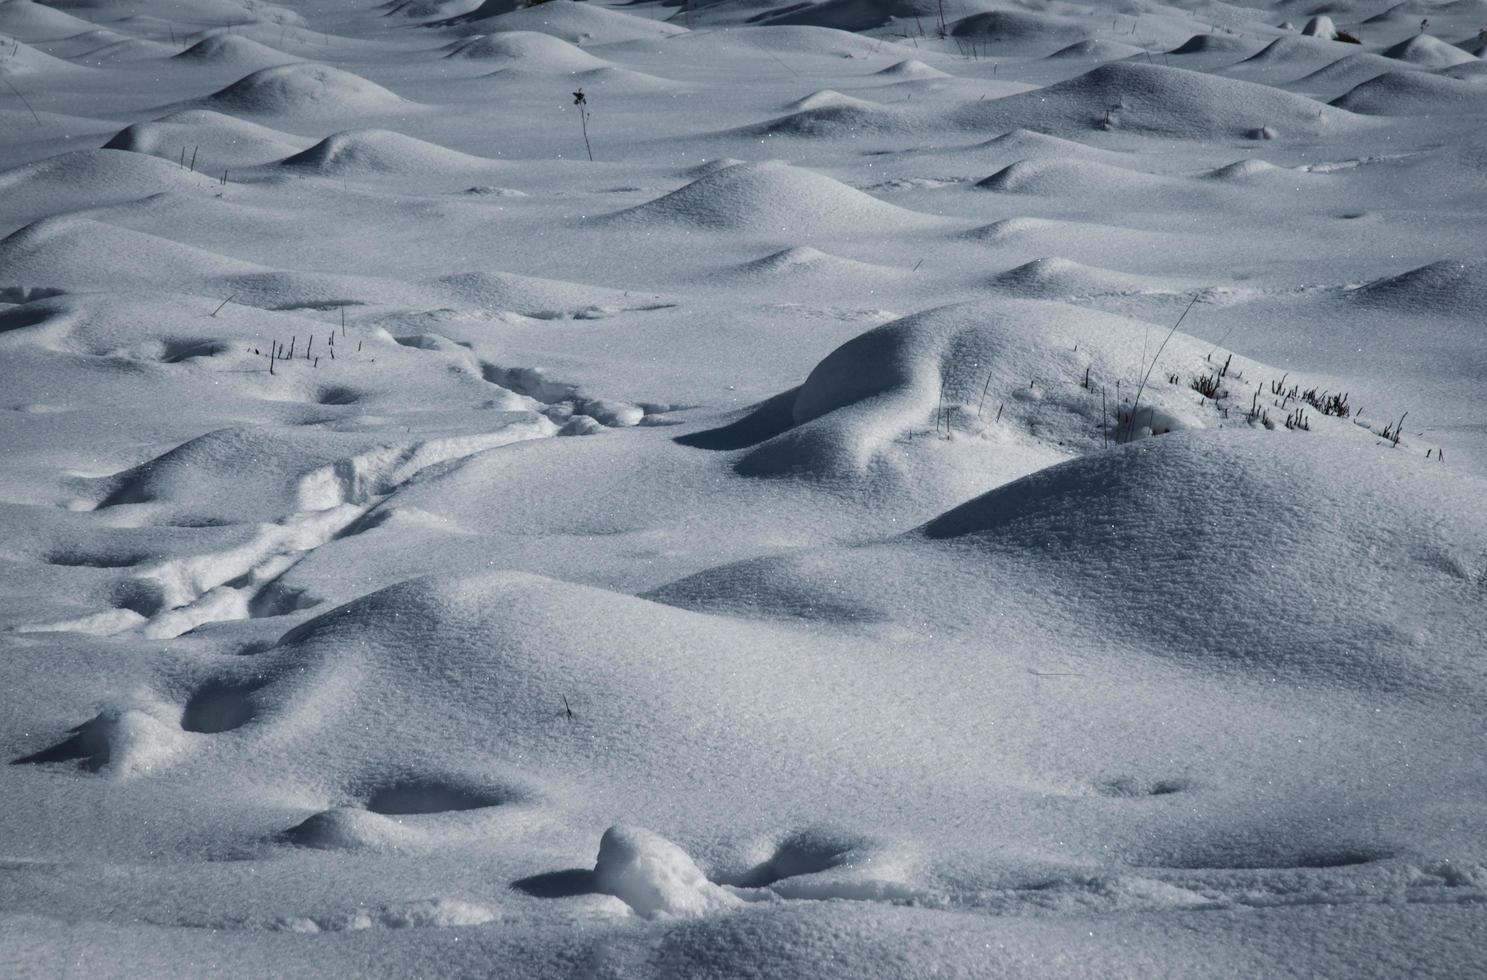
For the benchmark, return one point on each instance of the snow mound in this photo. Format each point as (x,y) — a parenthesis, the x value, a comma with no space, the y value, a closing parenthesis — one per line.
(1452,287)
(815,266)
(93,178)
(1295,53)
(912,68)
(307,89)
(1022,26)
(771,197)
(1096,51)
(1350,70)
(20,59)
(1027,144)
(1062,176)
(1058,278)
(574,22)
(655,877)
(78,252)
(1152,99)
(31,21)
(533,296)
(1214,44)
(1132,538)
(528,51)
(1241,170)
(837,120)
(830,98)
(1402,93)
(379,151)
(851,418)
(225,141)
(1428,52)
(709,167)
(236,51)
(1320,26)
(857,15)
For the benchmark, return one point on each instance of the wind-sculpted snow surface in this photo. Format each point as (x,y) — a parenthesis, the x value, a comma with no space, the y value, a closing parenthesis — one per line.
(842,489)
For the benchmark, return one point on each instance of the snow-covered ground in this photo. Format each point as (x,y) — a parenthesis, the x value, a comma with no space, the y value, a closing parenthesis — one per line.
(793,542)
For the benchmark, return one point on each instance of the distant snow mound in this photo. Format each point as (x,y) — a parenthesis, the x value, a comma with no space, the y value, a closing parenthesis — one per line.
(813,265)
(381,151)
(1241,170)
(1448,288)
(912,68)
(1096,51)
(771,197)
(19,59)
(1028,144)
(95,178)
(841,118)
(226,140)
(528,51)
(1293,52)
(856,15)
(709,167)
(1350,70)
(655,877)
(1058,278)
(1152,99)
(1213,44)
(236,51)
(307,88)
(830,98)
(29,21)
(1022,26)
(532,296)
(1320,26)
(1428,52)
(78,252)
(1403,93)
(1055,176)
(577,23)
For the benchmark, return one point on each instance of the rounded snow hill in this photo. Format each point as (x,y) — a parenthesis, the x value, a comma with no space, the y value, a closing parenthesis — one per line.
(912,68)
(1096,51)
(577,23)
(1320,26)
(1300,54)
(1428,52)
(79,253)
(861,15)
(1450,288)
(429,9)
(840,117)
(31,21)
(1023,26)
(821,270)
(372,152)
(1225,44)
(307,89)
(831,98)
(823,42)
(1028,144)
(94,178)
(1059,278)
(226,140)
(1244,170)
(1154,99)
(1403,93)
(1348,71)
(774,198)
(1231,551)
(18,58)
(235,51)
(1061,176)
(526,51)
(849,420)
(533,296)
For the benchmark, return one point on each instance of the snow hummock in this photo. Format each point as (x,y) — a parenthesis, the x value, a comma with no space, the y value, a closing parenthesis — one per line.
(655,877)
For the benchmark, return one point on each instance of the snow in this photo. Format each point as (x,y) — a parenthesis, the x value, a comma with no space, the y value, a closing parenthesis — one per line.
(882,489)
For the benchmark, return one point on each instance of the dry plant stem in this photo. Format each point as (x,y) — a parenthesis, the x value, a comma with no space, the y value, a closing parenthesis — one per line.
(1131,427)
